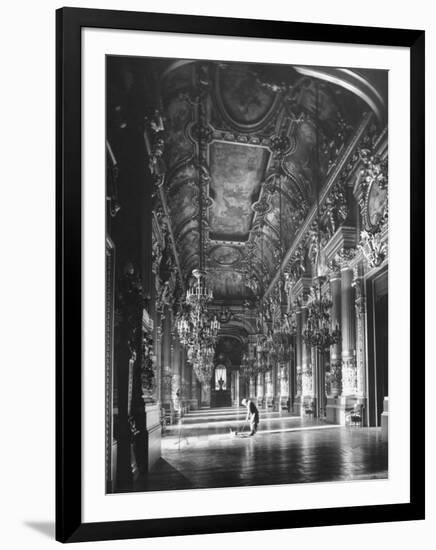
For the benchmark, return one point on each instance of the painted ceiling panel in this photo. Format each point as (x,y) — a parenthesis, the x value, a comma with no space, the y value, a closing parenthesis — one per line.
(229,284)
(237,172)
(183,207)
(245,101)
(178,146)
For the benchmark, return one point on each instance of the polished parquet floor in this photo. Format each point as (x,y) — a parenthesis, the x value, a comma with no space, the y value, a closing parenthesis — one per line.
(202,452)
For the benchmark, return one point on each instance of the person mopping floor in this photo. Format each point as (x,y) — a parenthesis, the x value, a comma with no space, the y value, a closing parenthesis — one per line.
(252,415)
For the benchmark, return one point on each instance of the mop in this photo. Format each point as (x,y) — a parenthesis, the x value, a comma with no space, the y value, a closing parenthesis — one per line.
(236,433)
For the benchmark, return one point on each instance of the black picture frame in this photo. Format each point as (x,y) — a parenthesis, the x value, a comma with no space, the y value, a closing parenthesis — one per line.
(69,23)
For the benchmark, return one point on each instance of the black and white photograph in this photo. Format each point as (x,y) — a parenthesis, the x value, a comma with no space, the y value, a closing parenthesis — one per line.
(247,268)
(218,226)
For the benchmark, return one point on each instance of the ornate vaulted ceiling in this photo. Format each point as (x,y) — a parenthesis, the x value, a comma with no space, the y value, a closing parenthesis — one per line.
(256,128)
(247,133)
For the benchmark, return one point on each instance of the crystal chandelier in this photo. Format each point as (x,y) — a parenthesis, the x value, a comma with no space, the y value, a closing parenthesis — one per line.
(198,295)
(198,331)
(318,331)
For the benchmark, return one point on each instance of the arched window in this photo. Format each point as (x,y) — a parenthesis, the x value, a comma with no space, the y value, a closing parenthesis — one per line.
(220,377)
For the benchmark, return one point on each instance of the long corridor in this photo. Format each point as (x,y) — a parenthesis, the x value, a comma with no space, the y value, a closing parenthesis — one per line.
(203,450)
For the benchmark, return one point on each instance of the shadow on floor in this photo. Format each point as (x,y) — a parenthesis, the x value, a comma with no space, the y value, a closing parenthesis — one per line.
(46,528)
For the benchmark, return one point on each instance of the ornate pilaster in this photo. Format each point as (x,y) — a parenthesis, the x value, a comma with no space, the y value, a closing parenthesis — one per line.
(166,361)
(360,307)
(301,291)
(335,377)
(299,352)
(260,389)
(349,368)
(252,387)
(176,384)
(205,394)
(269,389)
(306,361)
(194,390)
(284,381)
(158,354)
(235,381)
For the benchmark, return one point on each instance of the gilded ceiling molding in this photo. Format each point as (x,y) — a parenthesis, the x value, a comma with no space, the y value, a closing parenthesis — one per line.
(171,234)
(343,163)
(352,82)
(155,146)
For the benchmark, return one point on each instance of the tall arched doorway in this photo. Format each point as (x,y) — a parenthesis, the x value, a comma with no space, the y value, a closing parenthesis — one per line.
(221,390)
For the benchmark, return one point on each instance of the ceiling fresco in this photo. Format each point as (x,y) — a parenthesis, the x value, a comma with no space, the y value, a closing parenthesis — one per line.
(259,141)
(257,127)
(237,172)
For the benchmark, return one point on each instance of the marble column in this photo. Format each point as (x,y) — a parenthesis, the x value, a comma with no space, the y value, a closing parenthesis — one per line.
(237,393)
(269,390)
(292,380)
(306,366)
(176,375)
(284,385)
(335,410)
(260,389)
(275,386)
(252,390)
(319,378)
(166,362)
(349,370)
(361,336)
(194,390)
(159,365)
(335,350)
(298,360)
(314,360)
(205,394)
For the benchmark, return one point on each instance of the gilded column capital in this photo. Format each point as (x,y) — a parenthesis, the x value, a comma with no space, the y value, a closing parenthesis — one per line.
(345,238)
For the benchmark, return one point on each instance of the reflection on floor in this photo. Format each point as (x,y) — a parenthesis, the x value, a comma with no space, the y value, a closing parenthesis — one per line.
(204,451)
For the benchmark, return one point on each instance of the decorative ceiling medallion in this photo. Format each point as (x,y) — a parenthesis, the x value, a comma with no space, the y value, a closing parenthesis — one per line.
(262,206)
(225,255)
(242,101)
(200,132)
(281,145)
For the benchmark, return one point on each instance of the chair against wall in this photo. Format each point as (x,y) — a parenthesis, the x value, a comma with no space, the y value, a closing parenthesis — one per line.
(355,417)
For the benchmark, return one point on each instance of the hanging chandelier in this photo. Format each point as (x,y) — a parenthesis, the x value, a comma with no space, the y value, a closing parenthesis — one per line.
(197,329)
(318,331)
(199,294)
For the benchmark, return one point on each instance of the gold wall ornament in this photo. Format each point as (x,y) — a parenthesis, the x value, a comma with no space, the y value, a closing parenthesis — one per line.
(373,248)
(345,256)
